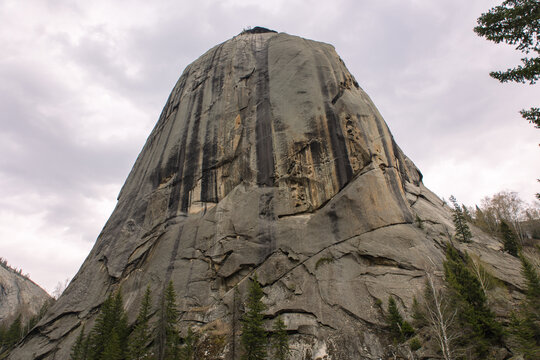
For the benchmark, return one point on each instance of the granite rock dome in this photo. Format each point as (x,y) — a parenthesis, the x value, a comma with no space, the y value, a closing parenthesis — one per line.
(268,158)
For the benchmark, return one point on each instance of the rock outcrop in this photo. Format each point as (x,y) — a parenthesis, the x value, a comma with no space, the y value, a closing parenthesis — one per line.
(19,296)
(269,158)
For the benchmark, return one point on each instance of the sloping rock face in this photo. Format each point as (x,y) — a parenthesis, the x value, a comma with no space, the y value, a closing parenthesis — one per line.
(268,158)
(19,296)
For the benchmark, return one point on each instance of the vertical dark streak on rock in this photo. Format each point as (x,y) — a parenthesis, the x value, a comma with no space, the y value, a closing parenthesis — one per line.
(209,180)
(364,135)
(191,165)
(263,125)
(174,198)
(390,176)
(163,172)
(335,132)
(401,161)
(191,162)
(334,221)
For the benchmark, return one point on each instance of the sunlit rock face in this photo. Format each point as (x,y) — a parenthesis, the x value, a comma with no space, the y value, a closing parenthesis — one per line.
(19,296)
(268,158)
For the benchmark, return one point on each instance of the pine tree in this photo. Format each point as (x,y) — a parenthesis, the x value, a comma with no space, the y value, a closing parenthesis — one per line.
(187,352)
(168,337)
(463,233)
(525,325)
(253,333)
(466,213)
(471,301)
(14,332)
(509,240)
(101,330)
(79,350)
(399,328)
(121,328)
(515,22)
(532,281)
(141,337)
(3,332)
(280,341)
(112,320)
(113,349)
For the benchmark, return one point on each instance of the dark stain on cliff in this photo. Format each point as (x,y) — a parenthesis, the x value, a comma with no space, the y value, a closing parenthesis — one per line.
(342,163)
(209,151)
(263,125)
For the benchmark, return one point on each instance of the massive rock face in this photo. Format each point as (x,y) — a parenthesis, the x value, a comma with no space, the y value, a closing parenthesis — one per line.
(268,158)
(19,296)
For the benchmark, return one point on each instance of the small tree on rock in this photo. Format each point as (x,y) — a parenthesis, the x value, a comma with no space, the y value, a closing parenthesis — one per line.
(14,332)
(79,350)
(509,240)
(187,352)
(141,337)
(471,301)
(254,337)
(168,337)
(399,328)
(525,325)
(280,341)
(111,326)
(463,232)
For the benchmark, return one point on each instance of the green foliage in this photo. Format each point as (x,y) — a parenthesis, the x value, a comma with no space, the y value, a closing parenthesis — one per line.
(525,324)
(516,22)
(280,341)
(253,333)
(532,282)
(110,333)
(399,328)
(14,332)
(466,213)
(141,336)
(463,233)
(3,332)
(415,344)
(113,348)
(79,350)
(509,239)
(187,352)
(533,117)
(170,339)
(418,314)
(471,302)
(17,330)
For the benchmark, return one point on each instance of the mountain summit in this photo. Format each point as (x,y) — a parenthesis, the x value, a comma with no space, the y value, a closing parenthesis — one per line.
(268,159)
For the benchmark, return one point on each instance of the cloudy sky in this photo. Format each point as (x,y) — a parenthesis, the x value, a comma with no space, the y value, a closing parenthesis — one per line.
(82,84)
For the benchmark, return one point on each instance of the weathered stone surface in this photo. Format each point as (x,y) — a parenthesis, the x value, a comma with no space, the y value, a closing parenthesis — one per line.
(269,158)
(19,296)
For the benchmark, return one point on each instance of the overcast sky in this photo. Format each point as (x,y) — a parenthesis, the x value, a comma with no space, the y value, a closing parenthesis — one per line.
(82,84)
